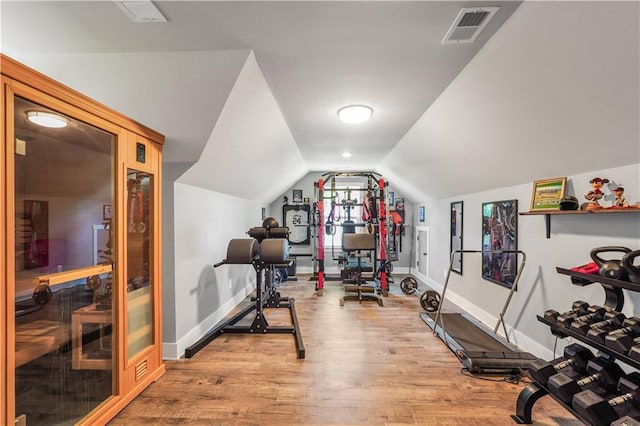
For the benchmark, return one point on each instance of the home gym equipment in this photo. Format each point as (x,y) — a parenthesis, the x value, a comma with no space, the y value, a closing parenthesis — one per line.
(478,349)
(602,371)
(594,312)
(359,246)
(577,308)
(430,300)
(375,220)
(623,342)
(409,285)
(630,327)
(610,268)
(265,257)
(627,263)
(575,356)
(601,412)
(610,320)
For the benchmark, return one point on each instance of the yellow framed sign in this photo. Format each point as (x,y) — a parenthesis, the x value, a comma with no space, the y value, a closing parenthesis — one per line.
(547,193)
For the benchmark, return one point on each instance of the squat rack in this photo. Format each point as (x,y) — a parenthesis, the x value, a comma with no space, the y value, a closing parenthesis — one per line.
(378,223)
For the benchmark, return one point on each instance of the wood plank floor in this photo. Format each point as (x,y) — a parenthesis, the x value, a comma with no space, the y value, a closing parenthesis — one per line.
(365,365)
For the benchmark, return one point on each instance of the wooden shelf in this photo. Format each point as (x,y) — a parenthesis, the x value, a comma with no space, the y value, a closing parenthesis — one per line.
(548,213)
(598,211)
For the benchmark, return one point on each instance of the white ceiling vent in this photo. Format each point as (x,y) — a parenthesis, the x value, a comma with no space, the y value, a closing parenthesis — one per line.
(468,24)
(141,11)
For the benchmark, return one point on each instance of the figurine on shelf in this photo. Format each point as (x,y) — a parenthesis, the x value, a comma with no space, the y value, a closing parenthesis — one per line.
(619,200)
(595,194)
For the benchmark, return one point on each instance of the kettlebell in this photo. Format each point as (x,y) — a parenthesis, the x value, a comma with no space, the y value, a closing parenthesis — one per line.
(632,270)
(610,268)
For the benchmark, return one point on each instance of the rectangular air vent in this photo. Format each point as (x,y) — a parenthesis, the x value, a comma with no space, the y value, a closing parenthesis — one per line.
(468,24)
(141,369)
(141,11)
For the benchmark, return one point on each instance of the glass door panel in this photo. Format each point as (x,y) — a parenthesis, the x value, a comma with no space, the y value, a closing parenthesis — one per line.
(139,262)
(64,191)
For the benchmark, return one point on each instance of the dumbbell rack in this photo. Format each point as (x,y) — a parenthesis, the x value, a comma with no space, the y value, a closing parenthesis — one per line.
(614,299)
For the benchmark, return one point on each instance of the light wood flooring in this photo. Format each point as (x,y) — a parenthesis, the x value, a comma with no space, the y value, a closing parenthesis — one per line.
(365,365)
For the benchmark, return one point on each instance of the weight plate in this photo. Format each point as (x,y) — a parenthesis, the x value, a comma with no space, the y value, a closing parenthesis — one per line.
(430,300)
(41,294)
(408,285)
(94,282)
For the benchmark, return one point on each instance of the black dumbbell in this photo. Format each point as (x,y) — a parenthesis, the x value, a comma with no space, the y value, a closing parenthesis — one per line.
(604,371)
(599,411)
(577,308)
(609,320)
(622,343)
(594,313)
(634,352)
(575,356)
(630,327)
(626,421)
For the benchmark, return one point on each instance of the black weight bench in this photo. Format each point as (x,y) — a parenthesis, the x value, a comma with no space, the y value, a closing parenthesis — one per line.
(359,246)
(264,257)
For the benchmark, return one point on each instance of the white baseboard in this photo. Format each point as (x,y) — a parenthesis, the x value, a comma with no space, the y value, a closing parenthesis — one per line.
(173,351)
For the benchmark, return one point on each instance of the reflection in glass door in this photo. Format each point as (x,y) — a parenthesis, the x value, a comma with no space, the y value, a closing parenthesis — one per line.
(64,190)
(139,262)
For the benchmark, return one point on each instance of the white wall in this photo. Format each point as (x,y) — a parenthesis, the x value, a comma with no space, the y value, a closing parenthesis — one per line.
(251,142)
(204,222)
(541,287)
(554,92)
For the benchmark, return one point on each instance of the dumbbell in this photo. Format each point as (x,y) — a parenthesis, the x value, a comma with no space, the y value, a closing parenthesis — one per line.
(630,327)
(575,356)
(599,411)
(610,320)
(577,308)
(626,421)
(594,312)
(604,371)
(634,352)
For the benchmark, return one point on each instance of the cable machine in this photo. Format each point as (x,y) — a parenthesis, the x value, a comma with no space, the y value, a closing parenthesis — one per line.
(374,219)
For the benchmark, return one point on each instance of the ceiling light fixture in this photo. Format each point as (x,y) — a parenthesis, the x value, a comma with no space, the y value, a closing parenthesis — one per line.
(47,119)
(354,114)
(346,154)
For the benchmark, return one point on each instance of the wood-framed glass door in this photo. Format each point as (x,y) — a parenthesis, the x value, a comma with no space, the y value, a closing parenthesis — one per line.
(63,315)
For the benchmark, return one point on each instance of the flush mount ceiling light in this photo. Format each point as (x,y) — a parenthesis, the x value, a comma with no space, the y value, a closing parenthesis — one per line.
(355,114)
(47,119)
(346,154)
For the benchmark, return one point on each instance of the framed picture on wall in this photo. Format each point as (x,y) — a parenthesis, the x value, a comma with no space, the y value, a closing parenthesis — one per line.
(107,212)
(546,194)
(456,236)
(392,200)
(297,196)
(500,232)
(421,214)
(296,218)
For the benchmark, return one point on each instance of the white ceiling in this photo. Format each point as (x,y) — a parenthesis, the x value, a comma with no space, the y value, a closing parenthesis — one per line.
(544,87)
(315,56)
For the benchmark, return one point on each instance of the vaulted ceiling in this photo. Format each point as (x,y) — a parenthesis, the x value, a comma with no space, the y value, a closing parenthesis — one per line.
(430,112)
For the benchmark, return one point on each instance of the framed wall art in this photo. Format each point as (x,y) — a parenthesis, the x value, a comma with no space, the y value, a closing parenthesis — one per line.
(297,196)
(296,218)
(546,194)
(456,235)
(500,232)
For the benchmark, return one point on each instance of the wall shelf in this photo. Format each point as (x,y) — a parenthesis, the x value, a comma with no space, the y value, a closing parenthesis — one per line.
(548,213)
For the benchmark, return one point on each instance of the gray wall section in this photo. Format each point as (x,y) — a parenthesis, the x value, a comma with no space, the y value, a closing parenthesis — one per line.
(541,287)
(170,173)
